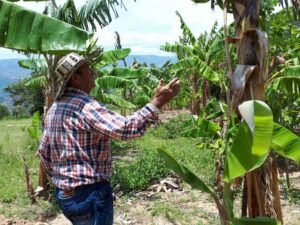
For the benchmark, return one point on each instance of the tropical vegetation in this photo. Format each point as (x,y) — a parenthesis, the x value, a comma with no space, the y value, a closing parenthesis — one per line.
(230,77)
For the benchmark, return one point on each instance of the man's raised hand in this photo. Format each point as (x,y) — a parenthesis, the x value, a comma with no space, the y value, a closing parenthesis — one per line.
(164,94)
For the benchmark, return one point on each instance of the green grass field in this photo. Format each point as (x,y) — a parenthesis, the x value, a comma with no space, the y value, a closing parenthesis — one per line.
(136,165)
(14,144)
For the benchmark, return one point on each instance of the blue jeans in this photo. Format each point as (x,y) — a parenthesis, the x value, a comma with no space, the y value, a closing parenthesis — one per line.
(89,205)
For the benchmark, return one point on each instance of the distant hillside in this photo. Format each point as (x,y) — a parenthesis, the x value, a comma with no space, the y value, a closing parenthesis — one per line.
(10,71)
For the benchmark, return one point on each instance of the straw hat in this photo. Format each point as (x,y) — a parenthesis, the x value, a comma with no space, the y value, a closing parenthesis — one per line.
(66,67)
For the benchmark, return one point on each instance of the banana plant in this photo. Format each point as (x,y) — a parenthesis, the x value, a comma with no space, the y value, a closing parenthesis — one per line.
(35,130)
(110,82)
(198,59)
(40,34)
(257,135)
(51,37)
(287,78)
(39,70)
(88,16)
(284,85)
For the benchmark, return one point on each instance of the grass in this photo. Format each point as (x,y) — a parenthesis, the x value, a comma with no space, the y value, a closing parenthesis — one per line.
(136,165)
(15,143)
(141,164)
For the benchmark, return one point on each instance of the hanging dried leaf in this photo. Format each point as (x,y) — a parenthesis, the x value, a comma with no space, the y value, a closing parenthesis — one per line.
(262,55)
(240,77)
(254,50)
(275,60)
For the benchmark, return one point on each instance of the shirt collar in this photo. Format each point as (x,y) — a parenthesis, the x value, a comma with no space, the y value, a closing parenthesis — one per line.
(74,91)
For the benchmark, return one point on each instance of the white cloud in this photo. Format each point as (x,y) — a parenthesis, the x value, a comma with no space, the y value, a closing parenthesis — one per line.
(128,39)
(148,24)
(140,43)
(139,50)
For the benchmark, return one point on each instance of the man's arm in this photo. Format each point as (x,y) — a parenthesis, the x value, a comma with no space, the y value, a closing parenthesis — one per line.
(111,124)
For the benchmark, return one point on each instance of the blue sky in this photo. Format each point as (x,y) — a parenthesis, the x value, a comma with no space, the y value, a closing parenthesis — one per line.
(147,24)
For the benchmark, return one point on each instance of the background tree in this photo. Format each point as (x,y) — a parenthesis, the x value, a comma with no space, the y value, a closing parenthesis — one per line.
(3,111)
(34,29)
(198,60)
(261,195)
(25,100)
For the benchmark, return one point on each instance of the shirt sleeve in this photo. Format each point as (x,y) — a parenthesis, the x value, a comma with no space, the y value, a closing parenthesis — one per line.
(108,123)
(44,152)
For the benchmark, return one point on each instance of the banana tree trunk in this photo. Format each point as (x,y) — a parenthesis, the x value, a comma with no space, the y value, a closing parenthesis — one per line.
(205,92)
(196,99)
(261,185)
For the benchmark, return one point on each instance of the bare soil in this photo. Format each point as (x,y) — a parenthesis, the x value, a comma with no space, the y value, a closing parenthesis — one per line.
(173,207)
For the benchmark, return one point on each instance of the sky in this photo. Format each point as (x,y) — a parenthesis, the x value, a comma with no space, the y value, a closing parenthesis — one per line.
(147,24)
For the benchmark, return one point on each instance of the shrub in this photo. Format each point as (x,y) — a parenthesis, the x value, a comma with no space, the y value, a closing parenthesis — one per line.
(172,128)
(3,111)
(139,173)
(138,164)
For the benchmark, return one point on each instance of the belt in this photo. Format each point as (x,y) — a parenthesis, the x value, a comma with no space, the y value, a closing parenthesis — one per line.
(72,192)
(68,193)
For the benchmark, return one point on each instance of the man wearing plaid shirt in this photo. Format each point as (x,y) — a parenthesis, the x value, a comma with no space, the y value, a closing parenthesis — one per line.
(75,147)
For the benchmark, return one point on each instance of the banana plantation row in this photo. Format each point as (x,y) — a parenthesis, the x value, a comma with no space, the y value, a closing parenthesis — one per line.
(241,82)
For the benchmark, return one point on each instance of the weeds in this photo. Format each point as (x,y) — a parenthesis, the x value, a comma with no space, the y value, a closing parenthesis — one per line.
(138,174)
(170,211)
(136,165)
(172,128)
(140,164)
(294,195)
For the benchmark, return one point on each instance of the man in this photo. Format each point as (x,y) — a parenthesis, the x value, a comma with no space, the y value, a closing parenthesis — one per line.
(74,149)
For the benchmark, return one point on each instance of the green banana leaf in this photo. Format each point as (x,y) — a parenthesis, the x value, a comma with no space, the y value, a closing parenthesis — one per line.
(35,130)
(120,102)
(179,49)
(251,146)
(255,221)
(289,85)
(186,30)
(141,99)
(286,143)
(99,12)
(110,57)
(33,64)
(28,31)
(215,115)
(214,109)
(98,93)
(188,176)
(202,128)
(149,81)
(128,73)
(36,82)
(194,62)
(216,46)
(107,82)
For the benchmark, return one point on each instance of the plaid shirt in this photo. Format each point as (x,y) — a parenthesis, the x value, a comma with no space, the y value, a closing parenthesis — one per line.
(75,147)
